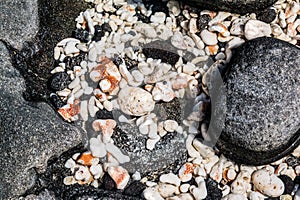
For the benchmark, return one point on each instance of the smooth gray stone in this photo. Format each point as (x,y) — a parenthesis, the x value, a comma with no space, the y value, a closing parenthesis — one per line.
(235,6)
(19,21)
(30,133)
(262,118)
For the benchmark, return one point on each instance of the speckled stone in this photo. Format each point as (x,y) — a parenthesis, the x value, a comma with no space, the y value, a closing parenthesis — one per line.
(30,132)
(19,21)
(237,6)
(262,92)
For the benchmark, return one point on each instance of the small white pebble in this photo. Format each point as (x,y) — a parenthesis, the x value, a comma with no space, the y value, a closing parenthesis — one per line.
(150,143)
(97,148)
(170,178)
(170,125)
(96,171)
(136,176)
(184,187)
(83,110)
(166,190)
(116,152)
(256,28)
(56,53)
(70,163)
(151,193)
(108,105)
(74,83)
(208,37)
(69,180)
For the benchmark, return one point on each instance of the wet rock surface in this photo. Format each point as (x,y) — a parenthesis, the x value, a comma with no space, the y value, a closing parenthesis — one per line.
(30,133)
(238,6)
(262,108)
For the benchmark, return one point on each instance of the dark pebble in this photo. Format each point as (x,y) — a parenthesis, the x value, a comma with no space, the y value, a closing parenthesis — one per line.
(165,56)
(288,184)
(202,21)
(106,27)
(69,62)
(104,114)
(81,34)
(292,161)
(165,110)
(141,17)
(59,81)
(297,180)
(134,189)
(130,64)
(238,6)
(117,60)
(213,192)
(75,61)
(56,101)
(156,6)
(99,33)
(108,182)
(267,15)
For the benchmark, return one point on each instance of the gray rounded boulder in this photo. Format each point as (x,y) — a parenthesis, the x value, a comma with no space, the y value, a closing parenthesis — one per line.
(262,108)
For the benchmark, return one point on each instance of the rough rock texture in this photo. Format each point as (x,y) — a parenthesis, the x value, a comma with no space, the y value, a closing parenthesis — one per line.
(33,56)
(235,6)
(19,21)
(49,184)
(263,91)
(169,153)
(30,133)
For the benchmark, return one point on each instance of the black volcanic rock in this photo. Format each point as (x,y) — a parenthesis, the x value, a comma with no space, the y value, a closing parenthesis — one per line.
(262,112)
(236,6)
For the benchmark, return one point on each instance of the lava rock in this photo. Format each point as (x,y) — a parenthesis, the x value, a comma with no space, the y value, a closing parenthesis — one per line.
(52,180)
(108,182)
(202,21)
(135,189)
(31,133)
(141,16)
(81,34)
(288,184)
(238,6)
(20,21)
(267,15)
(100,31)
(297,180)
(213,192)
(260,102)
(292,161)
(56,101)
(156,6)
(170,154)
(104,114)
(161,50)
(59,81)
(117,60)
